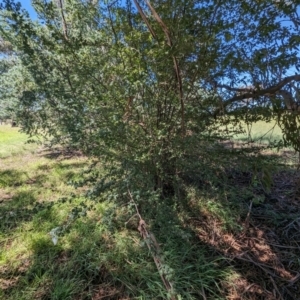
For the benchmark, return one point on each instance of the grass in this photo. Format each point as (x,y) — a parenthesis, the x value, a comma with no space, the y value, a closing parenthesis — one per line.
(258,132)
(101,255)
(264,134)
(95,257)
(13,141)
(261,132)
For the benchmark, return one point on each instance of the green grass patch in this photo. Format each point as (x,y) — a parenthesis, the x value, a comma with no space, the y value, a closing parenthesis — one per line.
(96,256)
(261,131)
(12,141)
(46,252)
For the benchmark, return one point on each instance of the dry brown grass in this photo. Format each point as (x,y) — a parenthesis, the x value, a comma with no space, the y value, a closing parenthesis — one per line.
(265,254)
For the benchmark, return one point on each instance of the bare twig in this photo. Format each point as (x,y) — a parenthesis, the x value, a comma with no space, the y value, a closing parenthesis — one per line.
(276,288)
(175,62)
(154,249)
(248,216)
(170,44)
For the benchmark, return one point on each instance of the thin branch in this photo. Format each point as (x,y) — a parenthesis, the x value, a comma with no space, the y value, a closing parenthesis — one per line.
(257,93)
(175,62)
(232,89)
(161,23)
(139,8)
(64,23)
(169,43)
(154,249)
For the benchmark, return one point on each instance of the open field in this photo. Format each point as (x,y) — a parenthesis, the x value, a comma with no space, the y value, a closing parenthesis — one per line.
(264,134)
(12,141)
(261,132)
(231,243)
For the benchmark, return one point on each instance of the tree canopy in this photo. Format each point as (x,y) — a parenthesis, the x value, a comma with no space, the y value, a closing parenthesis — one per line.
(154,86)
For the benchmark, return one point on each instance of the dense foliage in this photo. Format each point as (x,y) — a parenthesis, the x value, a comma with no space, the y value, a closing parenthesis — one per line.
(154,87)
(152,93)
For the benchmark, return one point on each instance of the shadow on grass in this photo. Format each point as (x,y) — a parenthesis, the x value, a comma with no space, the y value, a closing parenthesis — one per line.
(105,260)
(64,170)
(77,271)
(220,241)
(61,166)
(19,208)
(60,152)
(10,178)
(96,260)
(255,232)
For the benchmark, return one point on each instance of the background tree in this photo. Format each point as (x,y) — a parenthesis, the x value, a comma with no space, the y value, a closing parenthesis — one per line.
(7,63)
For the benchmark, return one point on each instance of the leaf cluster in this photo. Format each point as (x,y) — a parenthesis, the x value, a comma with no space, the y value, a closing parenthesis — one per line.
(147,89)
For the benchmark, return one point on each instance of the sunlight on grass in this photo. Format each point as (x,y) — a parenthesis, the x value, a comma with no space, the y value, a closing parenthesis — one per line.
(261,131)
(12,141)
(96,257)
(101,254)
